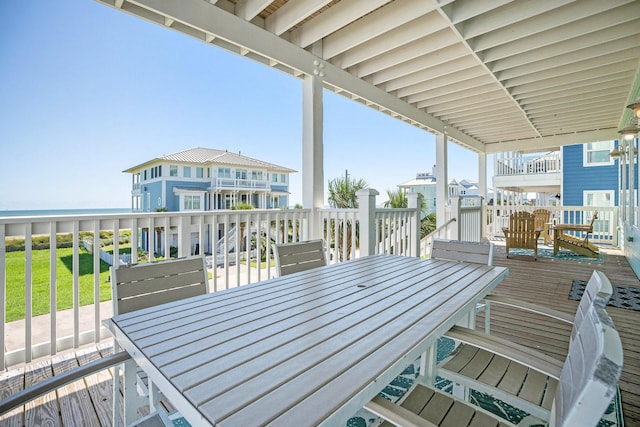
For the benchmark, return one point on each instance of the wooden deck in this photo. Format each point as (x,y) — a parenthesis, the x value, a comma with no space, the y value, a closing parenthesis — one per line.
(543,281)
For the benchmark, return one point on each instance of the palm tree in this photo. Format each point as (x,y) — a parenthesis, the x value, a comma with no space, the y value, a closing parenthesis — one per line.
(342,195)
(398,199)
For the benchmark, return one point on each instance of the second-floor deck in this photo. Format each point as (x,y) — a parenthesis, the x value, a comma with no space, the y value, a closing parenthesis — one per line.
(546,281)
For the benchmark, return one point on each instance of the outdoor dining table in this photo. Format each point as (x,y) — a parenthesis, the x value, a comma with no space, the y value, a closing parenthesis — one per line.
(310,348)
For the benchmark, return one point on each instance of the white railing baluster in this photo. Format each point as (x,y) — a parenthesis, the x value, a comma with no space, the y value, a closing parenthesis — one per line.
(96,282)
(76,284)
(3,293)
(28,314)
(53,287)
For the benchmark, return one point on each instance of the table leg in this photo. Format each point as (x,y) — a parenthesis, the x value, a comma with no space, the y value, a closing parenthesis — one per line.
(130,393)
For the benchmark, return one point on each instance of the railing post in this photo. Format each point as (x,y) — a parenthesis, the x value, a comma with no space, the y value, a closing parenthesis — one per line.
(455,213)
(184,237)
(367,207)
(414,201)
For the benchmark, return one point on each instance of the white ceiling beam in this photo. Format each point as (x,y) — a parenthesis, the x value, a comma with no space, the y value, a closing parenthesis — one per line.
(399,36)
(539,25)
(480,103)
(424,46)
(444,85)
(472,110)
(561,56)
(610,20)
(471,100)
(484,89)
(569,100)
(551,142)
(515,77)
(249,9)
(376,23)
(430,60)
(598,41)
(463,10)
(459,64)
(332,19)
(440,82)
(291,14)
(209,19)
(508,15)
(579,79)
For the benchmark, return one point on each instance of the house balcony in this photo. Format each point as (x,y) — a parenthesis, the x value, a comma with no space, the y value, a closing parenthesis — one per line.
(240,184)
(79,335)
(541,173)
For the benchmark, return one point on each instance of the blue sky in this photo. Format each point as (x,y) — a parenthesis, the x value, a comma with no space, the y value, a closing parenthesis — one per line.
(87,91)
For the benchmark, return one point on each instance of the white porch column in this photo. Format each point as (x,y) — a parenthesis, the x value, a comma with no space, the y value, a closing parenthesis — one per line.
(312,152)
(414,201)
(442,179)
(482,187)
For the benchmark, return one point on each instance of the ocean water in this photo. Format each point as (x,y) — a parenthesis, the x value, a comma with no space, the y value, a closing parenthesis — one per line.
(43,212)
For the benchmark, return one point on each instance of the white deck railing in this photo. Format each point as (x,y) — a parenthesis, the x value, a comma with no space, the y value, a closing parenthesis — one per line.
(234,241)
(605,228)
(517,164)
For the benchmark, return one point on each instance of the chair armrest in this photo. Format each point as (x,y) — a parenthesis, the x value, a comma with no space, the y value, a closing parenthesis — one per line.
(521,354)
(57,381)
(534,308)
(396,414)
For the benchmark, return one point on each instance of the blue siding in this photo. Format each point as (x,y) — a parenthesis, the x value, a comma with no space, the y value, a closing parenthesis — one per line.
(155,190)
(173,200)
(577,178)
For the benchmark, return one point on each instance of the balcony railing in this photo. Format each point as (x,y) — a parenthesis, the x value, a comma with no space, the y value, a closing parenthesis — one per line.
(238,183)
(234,242)
(528,165)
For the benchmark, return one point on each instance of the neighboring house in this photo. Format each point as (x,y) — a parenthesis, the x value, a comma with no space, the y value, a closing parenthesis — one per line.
(207,179)
(575,175)
(425,184)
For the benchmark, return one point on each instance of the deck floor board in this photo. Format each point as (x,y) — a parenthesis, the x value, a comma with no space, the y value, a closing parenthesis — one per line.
(544,281)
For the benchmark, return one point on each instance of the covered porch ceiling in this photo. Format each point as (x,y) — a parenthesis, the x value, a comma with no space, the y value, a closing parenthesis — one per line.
(493,76)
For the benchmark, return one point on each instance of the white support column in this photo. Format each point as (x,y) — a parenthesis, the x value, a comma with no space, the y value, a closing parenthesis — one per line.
(482,187)
(442,179)
(312,151)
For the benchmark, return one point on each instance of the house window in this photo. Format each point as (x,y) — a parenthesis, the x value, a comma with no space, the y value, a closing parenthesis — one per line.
(173,170)
(241,174)
(256,175)
(597,153)
(274,177)
(224,173)
(191,203)
(595,199)
(283,177)
(199,172)
(144,175)
(186,172)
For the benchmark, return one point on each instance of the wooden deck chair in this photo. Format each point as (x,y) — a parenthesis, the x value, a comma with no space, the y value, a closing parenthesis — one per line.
(141,286)
(579,241)
(483,363)
(543,218)
(587,384)
(459,250)
(522,233)
(299,256)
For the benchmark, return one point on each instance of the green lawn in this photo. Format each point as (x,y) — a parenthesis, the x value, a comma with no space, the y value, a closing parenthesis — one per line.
(15,275)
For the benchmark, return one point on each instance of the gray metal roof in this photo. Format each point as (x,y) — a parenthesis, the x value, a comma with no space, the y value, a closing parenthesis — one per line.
(210,156)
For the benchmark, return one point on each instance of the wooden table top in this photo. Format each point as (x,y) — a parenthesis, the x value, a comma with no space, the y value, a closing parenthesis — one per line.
(304,349)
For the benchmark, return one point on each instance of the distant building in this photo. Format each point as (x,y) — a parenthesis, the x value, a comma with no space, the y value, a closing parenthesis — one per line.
(207,179)
(425,184)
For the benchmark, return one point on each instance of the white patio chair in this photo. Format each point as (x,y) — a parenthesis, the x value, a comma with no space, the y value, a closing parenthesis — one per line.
(587,384)
(299,256)
(483,363)
(460,250)
(142,286)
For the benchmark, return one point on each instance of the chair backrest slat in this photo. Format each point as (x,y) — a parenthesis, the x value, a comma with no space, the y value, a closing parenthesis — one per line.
(299,256)
(590,374)
(458,250)
(146,285)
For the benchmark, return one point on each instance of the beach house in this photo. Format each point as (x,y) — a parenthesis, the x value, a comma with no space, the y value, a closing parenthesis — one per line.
(207,179)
